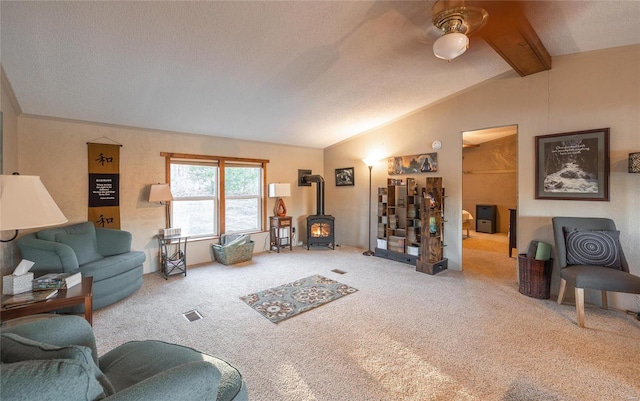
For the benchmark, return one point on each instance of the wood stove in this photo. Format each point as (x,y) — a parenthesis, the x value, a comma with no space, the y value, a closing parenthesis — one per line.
(320,227)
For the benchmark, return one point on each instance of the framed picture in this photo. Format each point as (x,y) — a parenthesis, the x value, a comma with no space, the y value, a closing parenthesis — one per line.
(344,177)
(573,165)
(424,163)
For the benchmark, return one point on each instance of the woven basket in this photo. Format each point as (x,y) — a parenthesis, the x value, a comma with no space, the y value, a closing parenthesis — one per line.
(535,276)
(232,254)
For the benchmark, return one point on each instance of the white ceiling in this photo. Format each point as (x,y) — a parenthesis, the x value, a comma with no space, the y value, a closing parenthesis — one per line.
(309,73)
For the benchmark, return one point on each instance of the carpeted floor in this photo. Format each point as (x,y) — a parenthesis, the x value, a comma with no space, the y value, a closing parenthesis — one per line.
(403,336)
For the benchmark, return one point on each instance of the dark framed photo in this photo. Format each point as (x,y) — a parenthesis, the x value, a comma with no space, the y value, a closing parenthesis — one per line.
(344,177)
(573,165)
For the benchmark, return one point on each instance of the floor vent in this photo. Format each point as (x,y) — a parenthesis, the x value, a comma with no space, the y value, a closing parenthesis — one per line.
(192,316)
(338,271)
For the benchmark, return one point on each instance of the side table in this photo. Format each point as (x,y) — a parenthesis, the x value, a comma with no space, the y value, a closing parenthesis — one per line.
(173,254)
(78,294)
(278,225)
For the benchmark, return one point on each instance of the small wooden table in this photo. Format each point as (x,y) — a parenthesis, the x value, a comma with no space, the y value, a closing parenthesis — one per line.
(277,239)
(78,294)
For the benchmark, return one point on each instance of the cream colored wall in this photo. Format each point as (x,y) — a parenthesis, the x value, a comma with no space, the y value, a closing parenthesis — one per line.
(56,150)
(8,255)
(583,91)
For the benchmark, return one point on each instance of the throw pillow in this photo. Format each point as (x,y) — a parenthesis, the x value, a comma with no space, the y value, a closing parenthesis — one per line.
(15,348)
(84,246)
(57,379)
(593,247)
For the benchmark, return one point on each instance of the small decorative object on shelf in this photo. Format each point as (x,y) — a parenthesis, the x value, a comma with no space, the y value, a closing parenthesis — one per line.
(431,251)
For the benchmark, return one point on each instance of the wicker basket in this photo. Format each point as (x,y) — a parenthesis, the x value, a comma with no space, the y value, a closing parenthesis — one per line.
(229,254)
(535,276)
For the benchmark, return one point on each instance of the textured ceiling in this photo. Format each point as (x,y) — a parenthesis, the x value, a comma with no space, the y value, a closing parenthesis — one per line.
(303,73)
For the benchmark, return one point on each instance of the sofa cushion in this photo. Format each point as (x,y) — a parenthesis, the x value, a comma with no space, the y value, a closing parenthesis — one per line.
(56,379)
(112,265)
(84,246)
(593,247)
(151,357)
(49,234)
(15,348)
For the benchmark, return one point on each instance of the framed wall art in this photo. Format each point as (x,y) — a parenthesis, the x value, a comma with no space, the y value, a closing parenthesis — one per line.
(573,165)
(423,163)
(344,177)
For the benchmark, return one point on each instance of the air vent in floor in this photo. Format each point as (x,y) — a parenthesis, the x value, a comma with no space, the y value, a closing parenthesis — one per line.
(338,271)
(192,316)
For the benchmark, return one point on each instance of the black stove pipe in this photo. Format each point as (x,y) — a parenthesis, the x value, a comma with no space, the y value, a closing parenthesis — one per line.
(319,191)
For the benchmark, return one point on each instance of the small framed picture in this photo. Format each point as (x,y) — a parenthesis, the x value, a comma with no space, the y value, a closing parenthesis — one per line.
(573,165)
(344,177)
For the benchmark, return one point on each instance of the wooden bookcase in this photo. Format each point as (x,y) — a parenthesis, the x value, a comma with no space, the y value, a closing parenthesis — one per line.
(399,221)
(432,258)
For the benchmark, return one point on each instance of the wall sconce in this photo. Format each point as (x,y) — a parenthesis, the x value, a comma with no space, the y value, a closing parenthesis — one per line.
(634,162)
(279,190)
(162,193)
(26,203)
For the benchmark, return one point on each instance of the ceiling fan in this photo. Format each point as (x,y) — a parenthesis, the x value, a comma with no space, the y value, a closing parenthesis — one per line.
(455,21)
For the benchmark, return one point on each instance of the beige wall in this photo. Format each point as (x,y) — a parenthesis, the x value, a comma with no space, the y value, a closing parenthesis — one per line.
(487,167)
(8,255)
(56,150)
(582,91)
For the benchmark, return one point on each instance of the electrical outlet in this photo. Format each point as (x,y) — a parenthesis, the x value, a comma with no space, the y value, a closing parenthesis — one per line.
(293,230)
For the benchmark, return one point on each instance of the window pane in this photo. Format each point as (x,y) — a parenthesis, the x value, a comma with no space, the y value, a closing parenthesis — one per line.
(242,214)
(239,181)
(192,181)
(194,217)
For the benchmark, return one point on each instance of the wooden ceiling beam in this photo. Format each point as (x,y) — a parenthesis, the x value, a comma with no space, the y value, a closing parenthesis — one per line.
(511,35)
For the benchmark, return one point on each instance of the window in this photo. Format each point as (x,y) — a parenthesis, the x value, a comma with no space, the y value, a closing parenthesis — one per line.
(195,198)
(216,195)
(243,193)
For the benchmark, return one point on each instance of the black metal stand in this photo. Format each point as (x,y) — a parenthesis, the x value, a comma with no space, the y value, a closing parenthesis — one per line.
(369,252)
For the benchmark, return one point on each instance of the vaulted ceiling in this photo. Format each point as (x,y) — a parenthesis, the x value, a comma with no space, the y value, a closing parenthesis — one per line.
(302,73)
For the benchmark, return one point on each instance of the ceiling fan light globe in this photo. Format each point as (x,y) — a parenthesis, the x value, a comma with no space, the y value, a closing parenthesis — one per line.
(451,45)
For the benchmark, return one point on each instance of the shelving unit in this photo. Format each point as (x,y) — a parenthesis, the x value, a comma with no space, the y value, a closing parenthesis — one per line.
(432,260)
(398,221)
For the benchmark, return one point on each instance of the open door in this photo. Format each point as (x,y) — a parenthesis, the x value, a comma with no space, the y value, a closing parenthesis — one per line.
(489,200)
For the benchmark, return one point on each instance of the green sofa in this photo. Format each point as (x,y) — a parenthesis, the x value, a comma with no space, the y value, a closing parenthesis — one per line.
(56,359)
(105,254)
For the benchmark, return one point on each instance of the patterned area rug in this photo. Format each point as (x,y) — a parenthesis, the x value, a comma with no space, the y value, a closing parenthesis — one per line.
(282,302)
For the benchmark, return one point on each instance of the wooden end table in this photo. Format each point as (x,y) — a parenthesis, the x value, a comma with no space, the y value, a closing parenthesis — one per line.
(76,295)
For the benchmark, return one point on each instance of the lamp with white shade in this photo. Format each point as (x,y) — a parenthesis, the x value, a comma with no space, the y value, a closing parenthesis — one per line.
(25,203)
(161,193)
(279,190)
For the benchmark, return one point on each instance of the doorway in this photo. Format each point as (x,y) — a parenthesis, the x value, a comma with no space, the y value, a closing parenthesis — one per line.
(489,200)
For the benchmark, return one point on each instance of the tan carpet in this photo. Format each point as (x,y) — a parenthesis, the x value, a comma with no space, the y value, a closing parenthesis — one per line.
(403,336)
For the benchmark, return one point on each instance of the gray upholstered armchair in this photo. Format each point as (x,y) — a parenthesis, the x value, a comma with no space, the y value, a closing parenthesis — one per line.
(590,257)
(56,359)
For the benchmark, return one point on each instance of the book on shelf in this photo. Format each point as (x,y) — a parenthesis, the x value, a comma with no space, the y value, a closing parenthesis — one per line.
(28,298)
(56,281)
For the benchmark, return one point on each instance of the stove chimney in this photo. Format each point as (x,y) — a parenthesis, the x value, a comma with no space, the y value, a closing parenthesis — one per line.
(319,191)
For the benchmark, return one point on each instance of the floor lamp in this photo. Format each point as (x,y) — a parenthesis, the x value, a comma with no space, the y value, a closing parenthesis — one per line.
(369,164)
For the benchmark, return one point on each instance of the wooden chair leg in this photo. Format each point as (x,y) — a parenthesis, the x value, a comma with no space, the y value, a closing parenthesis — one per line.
(605,304)
(580,306)
(563,287)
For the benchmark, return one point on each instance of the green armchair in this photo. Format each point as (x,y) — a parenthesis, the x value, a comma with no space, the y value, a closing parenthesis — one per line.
(56,359)
(102,253)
